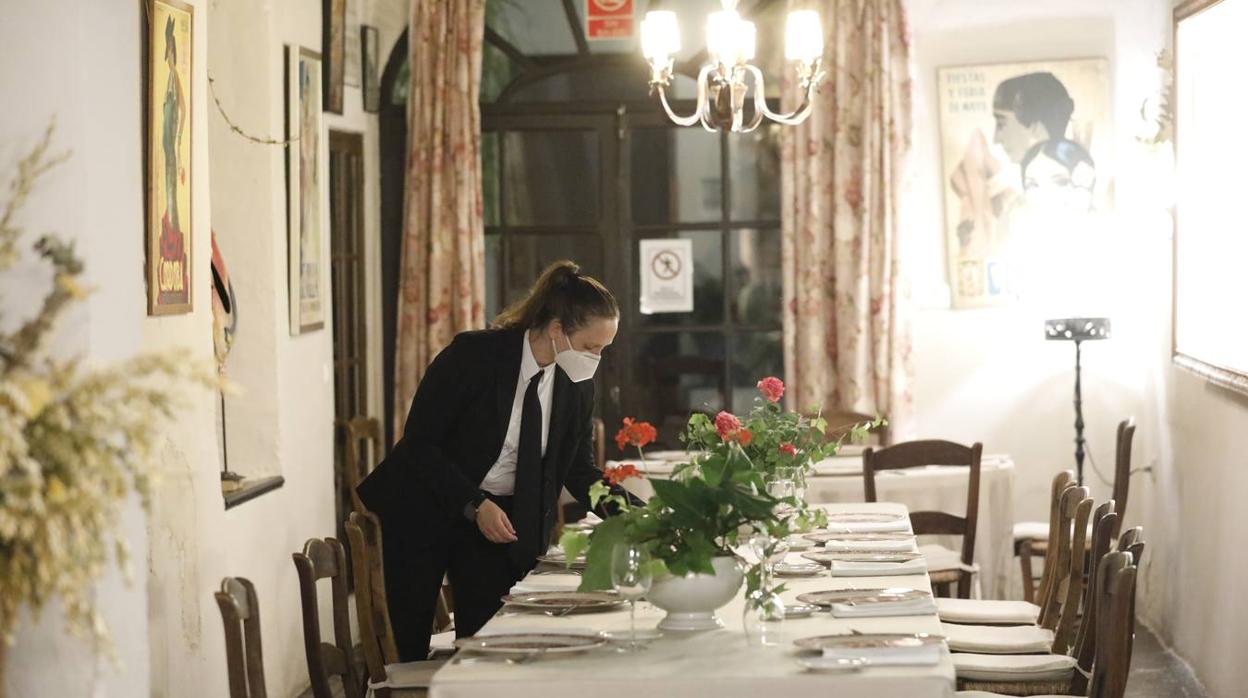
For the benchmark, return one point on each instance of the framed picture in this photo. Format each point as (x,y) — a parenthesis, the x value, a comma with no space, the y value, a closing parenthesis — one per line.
(334,40)
(369,79)
(167,116)
(305,166)
(351,54)
(1025,150)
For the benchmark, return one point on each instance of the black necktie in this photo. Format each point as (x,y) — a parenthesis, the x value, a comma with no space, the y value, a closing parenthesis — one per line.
(527,506)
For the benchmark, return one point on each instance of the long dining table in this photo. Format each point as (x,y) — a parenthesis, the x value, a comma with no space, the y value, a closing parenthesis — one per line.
(718,663)
(933,488)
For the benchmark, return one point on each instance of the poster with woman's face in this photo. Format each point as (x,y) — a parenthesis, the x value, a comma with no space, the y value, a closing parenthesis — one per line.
(1025,147)
(305,158)
(169,157)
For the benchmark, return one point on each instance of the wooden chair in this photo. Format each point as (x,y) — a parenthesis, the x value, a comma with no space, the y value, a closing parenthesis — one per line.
(1029,538)
(1105,520)
(326,559)
(381,655)
(1050,612)
(842,422)
(912,454)
(240,612)
(364,451)
(1061,482)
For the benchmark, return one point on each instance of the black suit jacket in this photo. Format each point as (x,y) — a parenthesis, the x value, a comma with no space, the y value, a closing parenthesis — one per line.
(455,430)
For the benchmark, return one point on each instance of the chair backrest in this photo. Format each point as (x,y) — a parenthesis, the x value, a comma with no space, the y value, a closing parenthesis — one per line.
(1116,625)
(376,634)
(240,613)
(1050,611)
(1064,633)
(913,454)
(1122,468)
(326,559)
(1104,519)
(364,451)
(1061,482)
(841,423)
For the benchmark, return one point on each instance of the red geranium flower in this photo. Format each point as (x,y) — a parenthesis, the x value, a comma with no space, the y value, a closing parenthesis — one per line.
(637,434)
(726,424)
(789,449)
(742,436)
(620,473)
(772,388)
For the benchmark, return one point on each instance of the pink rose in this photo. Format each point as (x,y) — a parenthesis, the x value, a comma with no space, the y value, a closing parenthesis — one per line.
(772,388)
(789,450)
(726,424)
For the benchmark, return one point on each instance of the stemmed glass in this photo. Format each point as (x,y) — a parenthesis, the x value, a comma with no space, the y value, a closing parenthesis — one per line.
(631,577)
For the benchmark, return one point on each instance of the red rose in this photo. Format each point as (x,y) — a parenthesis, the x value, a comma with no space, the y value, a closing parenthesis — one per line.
(789,450)
(637,434)
(726,424)
(772,388)
(620,473)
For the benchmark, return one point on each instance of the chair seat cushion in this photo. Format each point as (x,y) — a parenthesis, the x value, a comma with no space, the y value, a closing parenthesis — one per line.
(941,559)
(987,612)
(409,675)
(997,639)
(1033,530)
(1014,667)
(990,694)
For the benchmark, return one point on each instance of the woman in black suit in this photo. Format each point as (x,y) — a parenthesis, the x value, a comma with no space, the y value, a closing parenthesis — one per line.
(499,424)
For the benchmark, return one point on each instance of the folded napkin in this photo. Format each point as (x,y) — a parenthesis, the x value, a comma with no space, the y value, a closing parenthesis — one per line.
(997,639)
(1014,667)
(902,525)
(987,611)
(843,568)
(920,655)
(924,606)
(547,582)
(848,546)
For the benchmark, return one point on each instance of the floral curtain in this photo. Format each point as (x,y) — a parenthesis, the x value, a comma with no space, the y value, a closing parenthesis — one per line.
(442,278)
(846,342)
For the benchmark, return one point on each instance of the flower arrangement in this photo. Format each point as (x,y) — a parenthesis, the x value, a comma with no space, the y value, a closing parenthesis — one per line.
(75,441)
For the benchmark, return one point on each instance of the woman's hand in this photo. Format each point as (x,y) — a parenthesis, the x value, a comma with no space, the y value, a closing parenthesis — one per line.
(494,524)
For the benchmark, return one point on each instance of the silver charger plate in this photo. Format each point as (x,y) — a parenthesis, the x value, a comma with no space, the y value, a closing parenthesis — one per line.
(798,569)
(825,536)
(565,601)
(793,611)
(577,564)
(828,597)
(530,643)
(863,517)
(818,643)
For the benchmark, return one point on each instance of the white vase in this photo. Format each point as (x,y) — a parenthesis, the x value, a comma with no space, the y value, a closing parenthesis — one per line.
(691,600)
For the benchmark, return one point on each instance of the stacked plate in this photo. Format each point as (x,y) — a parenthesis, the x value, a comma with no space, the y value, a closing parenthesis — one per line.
(838,653)
(560,603)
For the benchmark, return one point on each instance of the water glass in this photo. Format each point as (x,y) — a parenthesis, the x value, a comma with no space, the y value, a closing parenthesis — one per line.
(631,577)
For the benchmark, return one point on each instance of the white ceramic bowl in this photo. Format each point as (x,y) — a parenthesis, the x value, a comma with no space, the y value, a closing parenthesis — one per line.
(691,601)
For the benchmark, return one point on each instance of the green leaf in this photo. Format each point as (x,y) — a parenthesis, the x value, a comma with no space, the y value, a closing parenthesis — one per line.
(605,536)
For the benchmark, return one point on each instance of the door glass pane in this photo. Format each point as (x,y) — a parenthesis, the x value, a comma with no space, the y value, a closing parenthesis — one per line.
(675,176)
(490,177)
(755,355)
(754,160)
(528,254)
(676,373)
(551,177)
(757,288)
(708,280)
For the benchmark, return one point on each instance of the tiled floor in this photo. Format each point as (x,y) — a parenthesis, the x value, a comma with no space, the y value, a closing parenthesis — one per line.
(1157,673)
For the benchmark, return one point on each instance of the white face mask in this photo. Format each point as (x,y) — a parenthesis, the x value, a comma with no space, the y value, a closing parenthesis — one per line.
(579,365)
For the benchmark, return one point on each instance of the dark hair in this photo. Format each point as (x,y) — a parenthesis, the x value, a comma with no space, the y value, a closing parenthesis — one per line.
(561,293)
(1036,97)
(1066,153)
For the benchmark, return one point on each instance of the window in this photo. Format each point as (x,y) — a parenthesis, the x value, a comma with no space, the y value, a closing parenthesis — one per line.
(1211,232)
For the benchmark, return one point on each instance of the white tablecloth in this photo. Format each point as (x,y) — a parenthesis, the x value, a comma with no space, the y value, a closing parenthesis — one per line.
(935,488)
(715,663)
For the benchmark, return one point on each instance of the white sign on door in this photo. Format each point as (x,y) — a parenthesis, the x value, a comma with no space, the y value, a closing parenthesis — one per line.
(666,268)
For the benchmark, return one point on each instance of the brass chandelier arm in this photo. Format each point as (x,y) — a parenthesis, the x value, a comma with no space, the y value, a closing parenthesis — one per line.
(794,117)
(699,113)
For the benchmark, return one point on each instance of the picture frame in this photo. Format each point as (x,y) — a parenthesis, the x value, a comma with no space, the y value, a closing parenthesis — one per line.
(168,173)
(1009,133)
(305,190)
(370,79)
(333,50)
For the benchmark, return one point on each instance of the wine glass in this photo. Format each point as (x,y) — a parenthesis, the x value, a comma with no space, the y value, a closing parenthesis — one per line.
(631,577)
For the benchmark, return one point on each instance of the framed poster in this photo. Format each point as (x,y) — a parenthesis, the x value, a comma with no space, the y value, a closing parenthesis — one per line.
(305,166)
(334,47)
(1025,148)
(666,269)
(370,81)
(167,115)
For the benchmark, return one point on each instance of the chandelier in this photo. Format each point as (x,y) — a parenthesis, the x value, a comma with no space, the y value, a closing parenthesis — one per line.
(725,82)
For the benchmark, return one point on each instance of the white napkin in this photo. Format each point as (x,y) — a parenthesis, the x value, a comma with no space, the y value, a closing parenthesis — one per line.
(547,582)
(842,568)
(848,546)
(591,519)
(902,525)
(921,655)
(924,606)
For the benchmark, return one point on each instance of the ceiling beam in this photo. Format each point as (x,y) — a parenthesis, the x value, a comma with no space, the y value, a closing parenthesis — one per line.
(578,31)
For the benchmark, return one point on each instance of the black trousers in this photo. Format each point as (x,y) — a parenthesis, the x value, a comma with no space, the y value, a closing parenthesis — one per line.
(480,572)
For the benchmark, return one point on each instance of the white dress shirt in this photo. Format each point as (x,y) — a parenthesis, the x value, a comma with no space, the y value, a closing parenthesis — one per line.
(501,478)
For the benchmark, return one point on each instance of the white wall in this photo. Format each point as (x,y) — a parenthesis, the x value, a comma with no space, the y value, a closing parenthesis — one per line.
(80,62)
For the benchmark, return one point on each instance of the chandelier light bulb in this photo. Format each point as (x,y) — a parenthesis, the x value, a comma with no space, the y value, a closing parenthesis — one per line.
(803,39)
(729,39)
(660,36)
